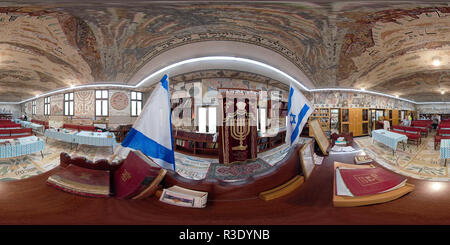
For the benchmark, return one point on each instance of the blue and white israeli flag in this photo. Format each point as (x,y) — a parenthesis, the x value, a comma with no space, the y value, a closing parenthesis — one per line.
(152,131)
(299,110)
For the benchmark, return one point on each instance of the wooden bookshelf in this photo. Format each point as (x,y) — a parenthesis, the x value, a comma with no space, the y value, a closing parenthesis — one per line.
(197,144)
(266,143)
(355,120)
(323,116)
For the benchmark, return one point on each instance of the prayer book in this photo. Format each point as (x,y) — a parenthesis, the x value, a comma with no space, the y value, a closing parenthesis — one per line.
(366,181)
(81,181)
(138,176)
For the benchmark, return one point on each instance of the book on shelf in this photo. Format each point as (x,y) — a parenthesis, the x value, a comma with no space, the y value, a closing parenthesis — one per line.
(81,181)
(360,159)
(366,181)
(184,197)
(136,177)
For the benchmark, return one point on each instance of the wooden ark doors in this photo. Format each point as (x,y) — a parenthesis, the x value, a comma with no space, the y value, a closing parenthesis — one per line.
(355,120)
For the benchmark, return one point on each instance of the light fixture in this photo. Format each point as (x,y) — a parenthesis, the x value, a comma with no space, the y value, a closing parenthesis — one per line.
(363,89)
(436,61)
(442,92)
(396,96)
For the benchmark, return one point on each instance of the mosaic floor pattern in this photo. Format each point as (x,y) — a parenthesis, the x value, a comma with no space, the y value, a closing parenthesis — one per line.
(422,162)
(187,166)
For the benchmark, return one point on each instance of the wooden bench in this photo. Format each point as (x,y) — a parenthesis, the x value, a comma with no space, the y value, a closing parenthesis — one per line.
(423,124)
(44,123)
(79,127)
(15,133)
(412,133)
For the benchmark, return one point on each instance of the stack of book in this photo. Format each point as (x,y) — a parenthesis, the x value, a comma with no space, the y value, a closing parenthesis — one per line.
(340,141)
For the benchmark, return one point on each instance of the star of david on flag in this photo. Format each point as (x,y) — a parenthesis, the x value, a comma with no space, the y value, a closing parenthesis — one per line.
(299,110)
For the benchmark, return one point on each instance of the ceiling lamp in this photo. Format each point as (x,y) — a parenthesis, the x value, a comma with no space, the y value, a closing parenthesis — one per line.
(436,61)
(442,92)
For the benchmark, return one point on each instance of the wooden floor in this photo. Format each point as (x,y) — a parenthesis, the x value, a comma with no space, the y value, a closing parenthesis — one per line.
(31,201)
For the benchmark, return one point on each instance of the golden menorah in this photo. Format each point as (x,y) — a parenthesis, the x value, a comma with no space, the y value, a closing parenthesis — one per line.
(240,128)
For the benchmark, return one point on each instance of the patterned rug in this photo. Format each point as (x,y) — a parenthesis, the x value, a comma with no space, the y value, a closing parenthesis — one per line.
(422,162)
(237,172)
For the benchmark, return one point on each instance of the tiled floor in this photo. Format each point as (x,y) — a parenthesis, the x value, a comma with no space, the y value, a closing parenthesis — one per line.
(422,162)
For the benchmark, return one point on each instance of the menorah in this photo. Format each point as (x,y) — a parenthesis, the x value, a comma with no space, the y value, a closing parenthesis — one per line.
(240,128)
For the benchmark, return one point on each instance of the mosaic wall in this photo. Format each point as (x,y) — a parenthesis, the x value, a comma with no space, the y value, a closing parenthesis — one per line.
(15,110)
(356,100)
(84,101)
(434,109)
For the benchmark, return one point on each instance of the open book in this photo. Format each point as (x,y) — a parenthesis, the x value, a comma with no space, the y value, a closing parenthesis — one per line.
(368,181)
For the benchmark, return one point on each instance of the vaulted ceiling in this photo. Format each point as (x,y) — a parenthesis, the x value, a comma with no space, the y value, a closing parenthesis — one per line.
(385,47)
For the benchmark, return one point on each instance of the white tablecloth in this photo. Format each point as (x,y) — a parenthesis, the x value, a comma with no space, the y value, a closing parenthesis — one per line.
(388,138)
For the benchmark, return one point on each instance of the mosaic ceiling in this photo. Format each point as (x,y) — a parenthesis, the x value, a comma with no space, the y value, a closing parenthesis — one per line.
(381,47)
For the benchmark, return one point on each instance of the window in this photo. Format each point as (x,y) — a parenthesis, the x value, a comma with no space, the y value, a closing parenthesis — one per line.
(207,119)
(101,103)
(136,103)
(33,107)
(47,106)
(262,118)
(68,104)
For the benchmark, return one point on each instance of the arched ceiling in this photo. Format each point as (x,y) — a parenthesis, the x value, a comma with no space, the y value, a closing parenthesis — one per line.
(384,47)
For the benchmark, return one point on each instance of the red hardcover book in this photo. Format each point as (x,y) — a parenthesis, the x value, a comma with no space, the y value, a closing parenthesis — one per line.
(369,181)
(81,181)
(135,174)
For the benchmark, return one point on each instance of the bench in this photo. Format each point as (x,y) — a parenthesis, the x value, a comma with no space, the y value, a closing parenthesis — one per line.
(413,134)
(10,125)
(441,134)
(15,133)
(422,124)
(79,127)
(44,123)
(444,125)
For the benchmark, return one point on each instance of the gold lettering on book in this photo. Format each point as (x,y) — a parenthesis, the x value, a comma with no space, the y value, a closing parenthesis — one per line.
(125,176)
(368,179)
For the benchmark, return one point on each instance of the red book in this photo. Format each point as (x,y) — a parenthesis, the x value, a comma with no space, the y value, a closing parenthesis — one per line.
(135,174)
(81,181)
(369,181)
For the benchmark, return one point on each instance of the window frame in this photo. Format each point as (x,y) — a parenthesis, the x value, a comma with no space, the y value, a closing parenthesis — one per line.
(67,113)
(101,104)
(33,107)
(47,107)
(136,100)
